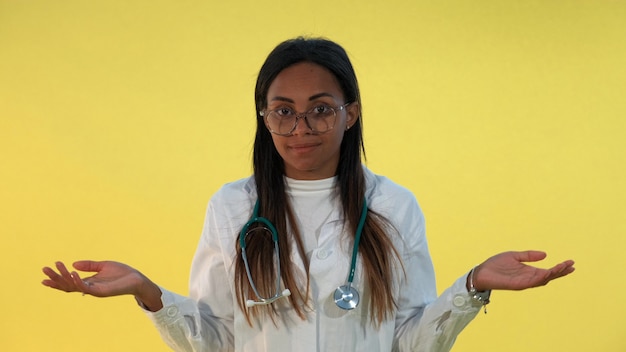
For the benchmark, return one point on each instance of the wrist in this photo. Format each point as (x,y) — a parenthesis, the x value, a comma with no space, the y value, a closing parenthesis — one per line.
(474,279)
(149,296)
(479,296)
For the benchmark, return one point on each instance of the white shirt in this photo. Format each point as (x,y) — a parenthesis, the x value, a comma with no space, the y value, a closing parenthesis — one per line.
(210,319)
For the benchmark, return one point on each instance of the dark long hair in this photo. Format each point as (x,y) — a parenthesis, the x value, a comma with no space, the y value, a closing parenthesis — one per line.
(376,249)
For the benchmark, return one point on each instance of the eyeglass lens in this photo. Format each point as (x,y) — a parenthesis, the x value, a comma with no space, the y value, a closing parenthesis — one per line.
(284,121)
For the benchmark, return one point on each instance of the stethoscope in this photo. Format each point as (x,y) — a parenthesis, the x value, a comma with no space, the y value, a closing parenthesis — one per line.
(345,296)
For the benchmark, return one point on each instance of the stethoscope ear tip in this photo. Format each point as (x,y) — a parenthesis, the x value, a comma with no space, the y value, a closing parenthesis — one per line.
(251,303)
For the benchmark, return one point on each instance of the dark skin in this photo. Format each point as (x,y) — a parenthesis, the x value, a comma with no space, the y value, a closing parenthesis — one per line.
(307,156)
(111,279)
(504,271)
(507,271)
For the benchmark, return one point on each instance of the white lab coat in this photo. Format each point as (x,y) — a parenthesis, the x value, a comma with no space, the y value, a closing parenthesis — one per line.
(210,320)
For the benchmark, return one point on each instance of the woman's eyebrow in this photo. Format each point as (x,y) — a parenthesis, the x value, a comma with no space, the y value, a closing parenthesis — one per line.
(311,98)
(319,95)
(283,99)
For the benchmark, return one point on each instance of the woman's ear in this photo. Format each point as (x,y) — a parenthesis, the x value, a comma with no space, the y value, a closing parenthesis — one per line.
(353,114)
(262,114)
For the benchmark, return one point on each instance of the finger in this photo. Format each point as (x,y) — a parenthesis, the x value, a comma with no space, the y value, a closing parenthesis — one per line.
(557,268)
(562,267)
(81,284)
(63,271)
(56,281)
(55,285)
(51,273)
(560,270)
(568,269)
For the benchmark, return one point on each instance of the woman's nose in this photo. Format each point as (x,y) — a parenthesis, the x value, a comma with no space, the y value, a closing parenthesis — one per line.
(302,126)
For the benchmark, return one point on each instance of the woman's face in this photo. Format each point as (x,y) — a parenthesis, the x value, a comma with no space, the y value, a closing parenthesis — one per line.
(301,87)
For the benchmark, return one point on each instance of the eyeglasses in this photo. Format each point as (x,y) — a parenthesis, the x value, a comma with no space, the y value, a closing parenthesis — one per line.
(320,119)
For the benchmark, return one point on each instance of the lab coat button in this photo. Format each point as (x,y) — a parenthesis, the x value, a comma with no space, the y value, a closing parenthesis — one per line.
(171,311)
(322,254)
(458,301)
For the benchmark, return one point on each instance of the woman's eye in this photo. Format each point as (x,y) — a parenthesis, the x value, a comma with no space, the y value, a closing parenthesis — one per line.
(322,110)
(284,112)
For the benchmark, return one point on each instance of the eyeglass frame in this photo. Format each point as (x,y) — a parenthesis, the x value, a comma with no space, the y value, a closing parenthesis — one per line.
(301,115)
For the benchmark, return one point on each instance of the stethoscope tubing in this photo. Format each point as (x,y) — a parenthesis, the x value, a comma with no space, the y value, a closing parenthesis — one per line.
(242,243)
(345,296)
(357,240)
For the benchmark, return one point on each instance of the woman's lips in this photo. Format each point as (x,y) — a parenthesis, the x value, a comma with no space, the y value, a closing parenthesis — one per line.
(303,147)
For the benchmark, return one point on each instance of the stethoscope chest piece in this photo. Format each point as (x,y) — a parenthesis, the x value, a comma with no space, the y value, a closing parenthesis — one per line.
(346,297)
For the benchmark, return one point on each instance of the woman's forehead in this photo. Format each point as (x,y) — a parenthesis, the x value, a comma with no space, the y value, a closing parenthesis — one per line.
(304,80)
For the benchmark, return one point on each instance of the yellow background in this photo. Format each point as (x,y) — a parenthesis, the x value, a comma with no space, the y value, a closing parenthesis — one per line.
(119,119)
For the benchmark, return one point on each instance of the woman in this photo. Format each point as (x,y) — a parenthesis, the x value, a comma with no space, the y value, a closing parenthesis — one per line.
(254,289)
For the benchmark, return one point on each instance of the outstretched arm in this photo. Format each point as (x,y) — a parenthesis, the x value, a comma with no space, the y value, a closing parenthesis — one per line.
(507,271)
(110,279)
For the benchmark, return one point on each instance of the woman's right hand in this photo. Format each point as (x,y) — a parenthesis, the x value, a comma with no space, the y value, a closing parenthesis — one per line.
(111,279)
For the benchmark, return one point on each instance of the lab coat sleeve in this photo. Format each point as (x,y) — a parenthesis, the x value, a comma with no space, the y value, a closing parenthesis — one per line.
(423,321)
(435,327)
(204,320)
(183,327)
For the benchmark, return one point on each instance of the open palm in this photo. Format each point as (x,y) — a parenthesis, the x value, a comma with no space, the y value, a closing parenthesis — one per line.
(110,279)
(507,271)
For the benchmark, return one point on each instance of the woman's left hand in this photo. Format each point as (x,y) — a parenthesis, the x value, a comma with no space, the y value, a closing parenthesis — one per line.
(507,271)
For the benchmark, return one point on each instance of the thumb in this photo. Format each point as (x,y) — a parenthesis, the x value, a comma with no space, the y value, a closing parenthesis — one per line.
(531,256)
(88,265)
